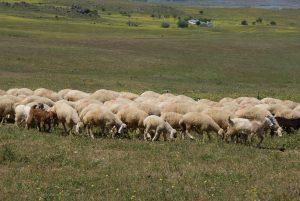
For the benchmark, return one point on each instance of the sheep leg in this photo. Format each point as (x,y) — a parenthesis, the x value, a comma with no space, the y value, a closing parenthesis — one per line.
(187,132)
(165,136)
(64,125)
(157,133)
(91,133)
(146,133)
(261,138)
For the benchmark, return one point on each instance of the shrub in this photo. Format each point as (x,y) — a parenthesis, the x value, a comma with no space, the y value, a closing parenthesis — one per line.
(165,25)
(201,12)
(132,24)
(273,23)
(259,20)
(244,22)
(182,24)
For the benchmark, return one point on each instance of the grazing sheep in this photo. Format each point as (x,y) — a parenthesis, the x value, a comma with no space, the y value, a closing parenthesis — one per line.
(7,109)
(200,123)
(149,107)
(41,118)
(92,106)
(157,124)
(104,95)
(258,114)
(2,92)
(21,91)
(269,100)
(288,123)
(63,92)
(116,105)
(75,95)
(81,104)
(48,94)
(173,119)
(37,99)
(22,112)
(128,95)
(150,94)
(133,117)
(66,115)
(219,115)
(238,126)
(181,108)
(103,118)
(207,102)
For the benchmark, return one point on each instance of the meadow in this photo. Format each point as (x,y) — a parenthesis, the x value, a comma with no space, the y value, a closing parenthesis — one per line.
(43,45)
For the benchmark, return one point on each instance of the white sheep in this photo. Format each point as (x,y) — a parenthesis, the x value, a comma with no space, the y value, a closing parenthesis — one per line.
(150,94)
(133,118)
(63,92)
(52,95)
(66,115)
(159,126)
(104,95)
(128,95)
(173,119)
(200,123)
(21,91)
(103,118)
(75,95)
(247,128)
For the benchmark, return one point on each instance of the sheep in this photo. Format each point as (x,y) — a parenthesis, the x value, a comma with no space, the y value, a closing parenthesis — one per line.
(150,94)
(22,112)
(66,115)
(157,124)
(133,118)
(75,95)
(207,102)
(165,97)
(116,105)
(269,100)
(219,115)
(128,95)
(247,128)
(200,123)
(258,114)
(104,95)
(2,92)
(92,106)
(181,108)
(149,107)
(63,92)
(37,99)
(21,91)
(7,109)
(103,117)
(173,119)
(290,104)
(40,117)
(81,104)
(48,94)
(288,123)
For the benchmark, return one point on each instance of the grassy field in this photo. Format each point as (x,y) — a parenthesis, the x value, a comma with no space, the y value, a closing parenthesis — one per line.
(38,49)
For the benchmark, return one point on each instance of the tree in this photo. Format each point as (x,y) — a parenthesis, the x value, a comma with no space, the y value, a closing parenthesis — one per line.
(165,25)
(244,22)
(182,24)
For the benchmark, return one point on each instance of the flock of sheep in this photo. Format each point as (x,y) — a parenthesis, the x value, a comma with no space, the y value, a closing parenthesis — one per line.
(150,114)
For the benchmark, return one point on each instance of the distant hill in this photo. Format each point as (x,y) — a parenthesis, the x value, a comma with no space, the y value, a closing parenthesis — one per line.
(236,3)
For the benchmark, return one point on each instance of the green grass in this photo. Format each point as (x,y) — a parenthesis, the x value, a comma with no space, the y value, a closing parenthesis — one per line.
(50,167)
(73,51)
